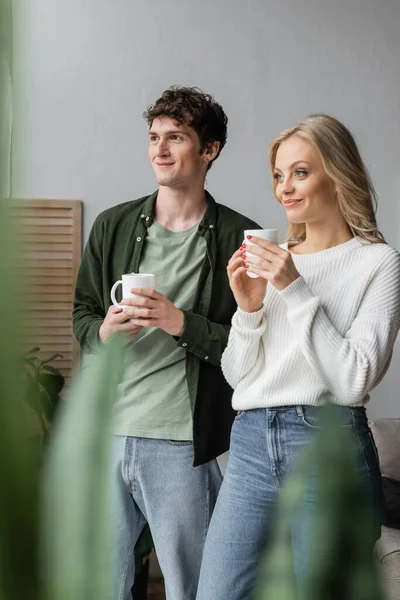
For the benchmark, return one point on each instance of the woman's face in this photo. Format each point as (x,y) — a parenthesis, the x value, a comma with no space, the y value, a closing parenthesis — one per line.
(302,185)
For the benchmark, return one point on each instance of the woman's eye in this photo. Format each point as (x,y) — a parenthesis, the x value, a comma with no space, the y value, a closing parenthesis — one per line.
(301,172)
(277,176)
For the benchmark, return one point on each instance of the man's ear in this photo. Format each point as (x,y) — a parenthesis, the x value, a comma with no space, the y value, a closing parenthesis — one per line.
(211,151)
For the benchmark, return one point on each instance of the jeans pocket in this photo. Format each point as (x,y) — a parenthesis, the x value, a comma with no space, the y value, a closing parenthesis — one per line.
(375,449)
(313,416)
(367,449)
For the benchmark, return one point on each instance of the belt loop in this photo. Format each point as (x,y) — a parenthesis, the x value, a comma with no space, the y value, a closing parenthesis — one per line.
(299,410)
(352,416)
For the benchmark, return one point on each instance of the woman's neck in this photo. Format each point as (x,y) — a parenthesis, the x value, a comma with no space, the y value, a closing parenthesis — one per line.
(320,238)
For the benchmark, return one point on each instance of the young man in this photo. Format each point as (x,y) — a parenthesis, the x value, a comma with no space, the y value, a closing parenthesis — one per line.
(173,412)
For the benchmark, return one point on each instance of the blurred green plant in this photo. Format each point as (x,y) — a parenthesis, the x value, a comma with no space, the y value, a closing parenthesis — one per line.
(56,535)
(73,526)
(77,530)
(19,475)
(343,529)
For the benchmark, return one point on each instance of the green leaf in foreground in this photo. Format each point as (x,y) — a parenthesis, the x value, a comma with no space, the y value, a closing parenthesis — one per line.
(77,534)
(342,530)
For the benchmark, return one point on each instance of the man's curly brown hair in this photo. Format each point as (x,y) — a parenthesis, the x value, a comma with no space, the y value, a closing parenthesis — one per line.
(193,107)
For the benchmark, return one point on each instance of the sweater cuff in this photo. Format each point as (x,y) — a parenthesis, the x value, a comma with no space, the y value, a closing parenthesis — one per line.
(246,320)
(296,293)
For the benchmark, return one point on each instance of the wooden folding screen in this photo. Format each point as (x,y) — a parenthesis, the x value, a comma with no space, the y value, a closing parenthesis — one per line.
(51,236)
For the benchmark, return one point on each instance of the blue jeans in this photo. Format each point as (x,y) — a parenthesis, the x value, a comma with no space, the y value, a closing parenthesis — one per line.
(265,445)
(154,481)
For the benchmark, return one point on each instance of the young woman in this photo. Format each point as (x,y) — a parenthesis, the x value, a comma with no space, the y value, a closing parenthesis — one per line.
(317,326)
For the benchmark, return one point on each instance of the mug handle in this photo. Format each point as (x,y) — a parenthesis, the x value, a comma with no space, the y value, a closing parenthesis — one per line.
(113,289)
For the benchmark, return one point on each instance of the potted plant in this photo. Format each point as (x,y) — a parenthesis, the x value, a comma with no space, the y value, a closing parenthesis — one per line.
(42,385)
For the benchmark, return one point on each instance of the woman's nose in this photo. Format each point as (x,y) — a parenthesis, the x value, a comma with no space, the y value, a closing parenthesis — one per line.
(287,185)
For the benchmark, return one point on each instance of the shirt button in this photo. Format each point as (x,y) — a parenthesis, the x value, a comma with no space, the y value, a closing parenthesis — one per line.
(139,239)
(147,218)
(211,226)
(206,358)
(141,216)
(184,345)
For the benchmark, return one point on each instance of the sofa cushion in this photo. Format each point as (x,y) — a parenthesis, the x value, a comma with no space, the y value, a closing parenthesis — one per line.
(386,434)
(387,552)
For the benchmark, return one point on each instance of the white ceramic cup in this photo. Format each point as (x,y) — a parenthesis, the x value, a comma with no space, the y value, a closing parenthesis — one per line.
(129,281)
(271,235)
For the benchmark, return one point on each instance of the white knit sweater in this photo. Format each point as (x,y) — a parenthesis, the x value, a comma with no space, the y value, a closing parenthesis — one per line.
(328,335)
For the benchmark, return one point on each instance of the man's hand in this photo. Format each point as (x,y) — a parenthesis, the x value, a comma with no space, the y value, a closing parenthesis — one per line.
(117,321)
(154,310)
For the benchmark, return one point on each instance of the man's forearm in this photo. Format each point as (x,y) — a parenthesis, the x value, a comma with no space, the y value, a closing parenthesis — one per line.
(86,330)
(204,338)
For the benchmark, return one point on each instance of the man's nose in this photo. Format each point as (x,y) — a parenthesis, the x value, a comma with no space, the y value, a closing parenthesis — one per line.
(162,147)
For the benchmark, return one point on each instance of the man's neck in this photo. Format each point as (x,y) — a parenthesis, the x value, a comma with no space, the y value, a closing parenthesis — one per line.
(179,209)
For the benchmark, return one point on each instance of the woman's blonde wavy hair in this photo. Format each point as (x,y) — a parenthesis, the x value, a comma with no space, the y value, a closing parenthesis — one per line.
(343,164)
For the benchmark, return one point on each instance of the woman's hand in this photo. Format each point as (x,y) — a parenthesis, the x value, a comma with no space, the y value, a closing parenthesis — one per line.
(249,293)
(270,262)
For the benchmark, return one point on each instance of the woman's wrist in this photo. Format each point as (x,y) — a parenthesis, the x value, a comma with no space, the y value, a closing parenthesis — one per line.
(250,308)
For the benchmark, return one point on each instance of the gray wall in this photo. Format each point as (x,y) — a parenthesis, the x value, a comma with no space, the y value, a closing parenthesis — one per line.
(86,69)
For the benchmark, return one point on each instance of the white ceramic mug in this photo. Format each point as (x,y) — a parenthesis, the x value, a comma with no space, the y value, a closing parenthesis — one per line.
(130,281)
(271,235)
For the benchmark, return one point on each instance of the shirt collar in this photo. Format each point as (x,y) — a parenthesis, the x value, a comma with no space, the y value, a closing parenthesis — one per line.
(208,221)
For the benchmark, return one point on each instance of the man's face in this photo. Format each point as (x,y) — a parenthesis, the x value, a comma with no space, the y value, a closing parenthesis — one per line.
(175,153)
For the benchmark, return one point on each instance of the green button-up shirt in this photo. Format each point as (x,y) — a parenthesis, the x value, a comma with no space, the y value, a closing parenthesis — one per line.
(114,247)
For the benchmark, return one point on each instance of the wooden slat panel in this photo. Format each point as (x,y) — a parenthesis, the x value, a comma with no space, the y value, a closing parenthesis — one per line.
(45,221)
(49,289)
(40,238)
(40,337)
(49,349)
(49,239)
(36,271)
(51,298)
(31,279)
(50,306)
(56,230)
(64,361)
(46,203)
(37,256)
(76,259)
(46,246)
(48,322)
(49,314)
(62,364)
(38,212)
(54,264)
(32,331)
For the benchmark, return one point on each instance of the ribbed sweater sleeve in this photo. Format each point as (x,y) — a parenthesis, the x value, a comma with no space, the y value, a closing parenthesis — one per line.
(350,365)
(243,349)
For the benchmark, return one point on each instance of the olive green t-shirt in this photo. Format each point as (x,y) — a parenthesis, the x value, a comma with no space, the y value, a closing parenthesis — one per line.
(153,399)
